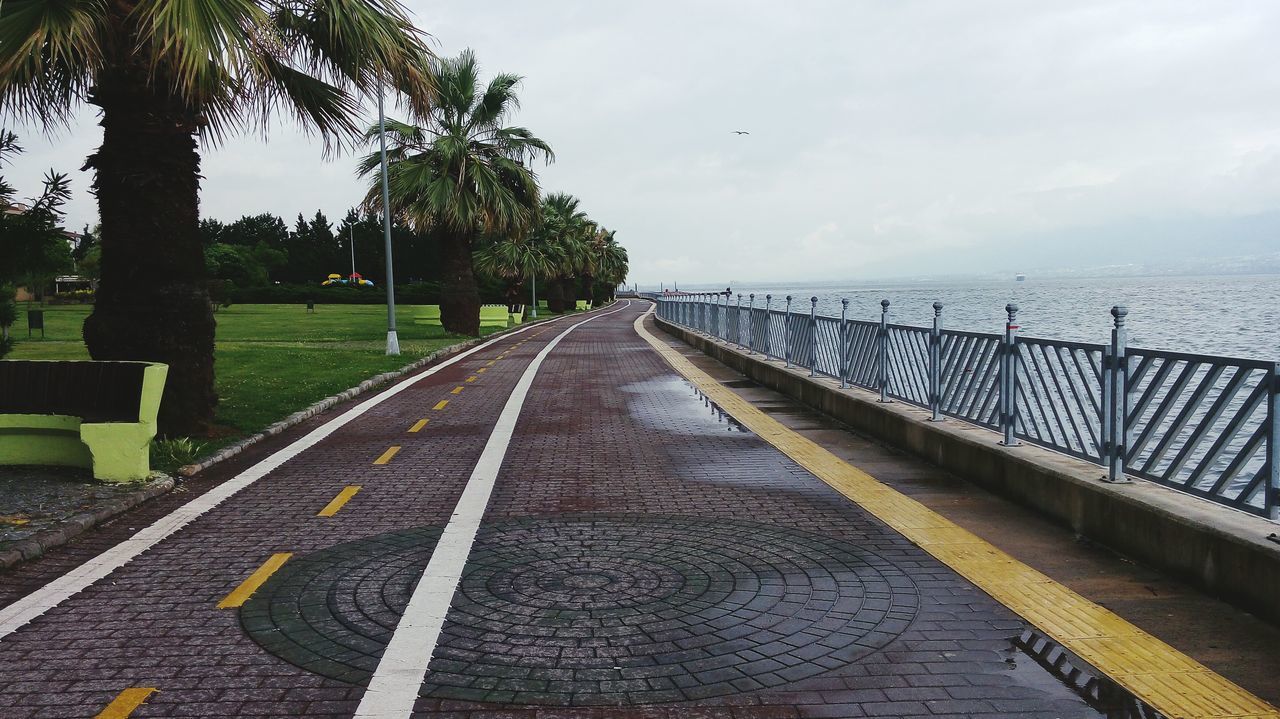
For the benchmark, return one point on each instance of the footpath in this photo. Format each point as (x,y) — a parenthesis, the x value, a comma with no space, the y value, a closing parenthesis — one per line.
(575,520)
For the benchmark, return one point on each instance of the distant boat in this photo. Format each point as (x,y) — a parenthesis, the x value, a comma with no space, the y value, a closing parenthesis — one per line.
(1021,277)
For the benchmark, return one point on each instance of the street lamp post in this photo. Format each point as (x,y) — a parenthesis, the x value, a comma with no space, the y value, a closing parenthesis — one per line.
(533,296)
(393,341)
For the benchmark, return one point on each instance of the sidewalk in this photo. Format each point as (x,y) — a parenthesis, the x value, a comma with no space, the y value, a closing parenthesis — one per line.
(641,555)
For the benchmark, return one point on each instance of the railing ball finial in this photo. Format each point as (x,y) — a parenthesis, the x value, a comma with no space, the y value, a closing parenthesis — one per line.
(844,302)
(884,306)
(768,297)
(1119,312)
(1012,309)
(752,295)
(813,300)
(788,298)
(937,309)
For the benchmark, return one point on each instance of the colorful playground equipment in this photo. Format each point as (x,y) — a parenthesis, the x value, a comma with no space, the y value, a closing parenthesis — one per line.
(354,279)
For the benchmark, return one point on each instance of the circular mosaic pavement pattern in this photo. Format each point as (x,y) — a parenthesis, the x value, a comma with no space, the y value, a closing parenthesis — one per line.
(596,609)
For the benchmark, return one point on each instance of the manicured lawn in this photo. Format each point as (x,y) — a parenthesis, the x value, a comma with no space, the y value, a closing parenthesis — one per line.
(271,360)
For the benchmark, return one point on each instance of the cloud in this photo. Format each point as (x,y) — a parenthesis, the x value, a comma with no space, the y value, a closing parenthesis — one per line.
(910,137)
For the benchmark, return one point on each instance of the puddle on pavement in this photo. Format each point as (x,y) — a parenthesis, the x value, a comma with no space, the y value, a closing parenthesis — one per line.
(673,404)
(1038,661)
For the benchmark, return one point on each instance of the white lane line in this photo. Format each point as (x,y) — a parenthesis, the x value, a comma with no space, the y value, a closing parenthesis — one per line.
(394,686)
(16,615)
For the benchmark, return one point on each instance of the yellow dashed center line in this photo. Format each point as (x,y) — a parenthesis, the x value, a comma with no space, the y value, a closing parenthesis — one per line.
(241,594)
(456,390)
(337,502)
(490,363)
(1173,683)
(125,702)
(417,426)
(482,370)
(472,378)
(441,404)
(387,455)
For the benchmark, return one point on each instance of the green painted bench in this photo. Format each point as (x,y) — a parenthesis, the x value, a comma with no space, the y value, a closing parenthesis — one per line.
(494,316)
(582,305)
(427,315)
(98,415)
(542,304)
(517,317)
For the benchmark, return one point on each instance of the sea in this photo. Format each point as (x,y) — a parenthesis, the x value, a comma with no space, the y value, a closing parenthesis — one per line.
(1230,315)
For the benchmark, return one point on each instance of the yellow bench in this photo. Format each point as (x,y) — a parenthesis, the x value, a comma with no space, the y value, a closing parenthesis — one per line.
(79,413)
(494,316)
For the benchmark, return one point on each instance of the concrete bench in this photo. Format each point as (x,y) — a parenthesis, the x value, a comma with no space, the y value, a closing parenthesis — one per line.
(427,315)
(99,415)
(582,305)
(494,316)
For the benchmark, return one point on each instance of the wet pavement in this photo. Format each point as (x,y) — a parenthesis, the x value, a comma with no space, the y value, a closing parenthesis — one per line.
(641,555)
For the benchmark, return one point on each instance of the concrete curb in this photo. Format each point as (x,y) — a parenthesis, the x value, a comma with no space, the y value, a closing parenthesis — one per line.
(1218,549)
(328,403)
(41,542)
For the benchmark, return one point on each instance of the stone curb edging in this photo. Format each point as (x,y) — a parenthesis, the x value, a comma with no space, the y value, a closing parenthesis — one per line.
(41,542)
(1216,548)
(327,403)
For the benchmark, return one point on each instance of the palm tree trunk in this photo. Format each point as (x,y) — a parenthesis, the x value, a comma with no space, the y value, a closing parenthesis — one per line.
(152,303)
(554,295)
(460,300)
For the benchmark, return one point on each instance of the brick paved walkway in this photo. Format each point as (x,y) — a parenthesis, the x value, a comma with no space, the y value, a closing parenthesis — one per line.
(641,555)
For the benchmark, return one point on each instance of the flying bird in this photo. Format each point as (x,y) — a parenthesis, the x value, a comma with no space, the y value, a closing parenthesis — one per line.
(740,132)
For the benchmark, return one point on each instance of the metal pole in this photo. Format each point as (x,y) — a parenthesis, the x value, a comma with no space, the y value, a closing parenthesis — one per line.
(882,352)
(935,364)
(1117,399)
(751,324)
(393,341)
(844,343)
(1009,379)
(1271,496)
(533,295)
(768,300)
(786,334)
(737,325)
(813,336)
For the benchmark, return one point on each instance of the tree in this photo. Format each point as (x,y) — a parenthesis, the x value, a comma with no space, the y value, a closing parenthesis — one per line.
(563,226)
(33,247)
(169,77)
(516,260)
(461,174)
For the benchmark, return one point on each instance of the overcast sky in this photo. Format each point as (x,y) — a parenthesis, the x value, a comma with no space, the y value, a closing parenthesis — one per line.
(887,138)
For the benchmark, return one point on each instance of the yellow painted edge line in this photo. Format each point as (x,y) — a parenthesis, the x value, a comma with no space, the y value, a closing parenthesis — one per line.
(1165,678)
(456,390)
(241,594)
(125,702)
(337,502)
(441,404)
(387,455)
(417,426)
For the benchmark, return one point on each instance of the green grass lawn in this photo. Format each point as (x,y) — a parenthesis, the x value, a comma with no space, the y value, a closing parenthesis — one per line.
(271,360)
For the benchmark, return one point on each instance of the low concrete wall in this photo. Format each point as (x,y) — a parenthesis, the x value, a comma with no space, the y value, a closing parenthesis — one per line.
(1218,549)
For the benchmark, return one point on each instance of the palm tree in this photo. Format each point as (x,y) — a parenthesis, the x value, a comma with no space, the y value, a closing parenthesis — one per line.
(515,259)
(461,174)
(613,264)
(169,77)
(564,226)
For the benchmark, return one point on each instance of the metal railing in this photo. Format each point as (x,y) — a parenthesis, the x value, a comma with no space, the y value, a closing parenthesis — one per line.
(1205,425)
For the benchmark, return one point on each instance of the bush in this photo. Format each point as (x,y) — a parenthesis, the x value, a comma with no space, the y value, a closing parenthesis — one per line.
(420,293)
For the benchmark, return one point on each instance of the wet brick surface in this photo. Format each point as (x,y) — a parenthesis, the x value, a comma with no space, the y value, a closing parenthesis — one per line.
(611,448)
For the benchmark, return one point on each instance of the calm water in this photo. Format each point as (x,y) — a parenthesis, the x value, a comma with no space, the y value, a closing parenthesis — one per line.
(1236,315)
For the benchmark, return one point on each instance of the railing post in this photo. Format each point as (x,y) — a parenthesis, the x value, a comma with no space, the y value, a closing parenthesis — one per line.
(882,352)
(813,336)
(768,300)
(751,324)
(1115,400)
(1271,498)
(935,364)
(845,359)
(737,323)
(1009,379)
(786,334)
